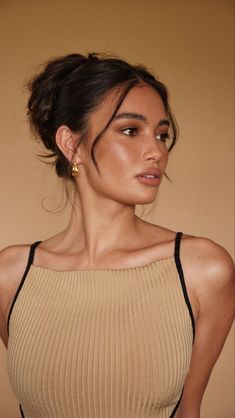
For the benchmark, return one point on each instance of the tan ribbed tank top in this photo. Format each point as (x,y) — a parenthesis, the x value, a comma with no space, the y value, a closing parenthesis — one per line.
(111,343)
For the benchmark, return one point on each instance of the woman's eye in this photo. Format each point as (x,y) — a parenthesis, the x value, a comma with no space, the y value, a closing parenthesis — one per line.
(130,131)
(163,136)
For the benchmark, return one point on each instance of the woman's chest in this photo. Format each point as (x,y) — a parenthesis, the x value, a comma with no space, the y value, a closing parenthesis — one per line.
(102,345)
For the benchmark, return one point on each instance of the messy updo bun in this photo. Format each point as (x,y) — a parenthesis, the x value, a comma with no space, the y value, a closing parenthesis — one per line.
(67,90)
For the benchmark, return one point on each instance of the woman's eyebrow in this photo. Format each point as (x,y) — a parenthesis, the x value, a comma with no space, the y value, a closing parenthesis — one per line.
(163,122)
(130,115)
(138,116)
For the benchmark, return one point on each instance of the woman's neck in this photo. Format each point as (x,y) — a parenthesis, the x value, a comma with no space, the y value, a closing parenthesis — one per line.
(97,229)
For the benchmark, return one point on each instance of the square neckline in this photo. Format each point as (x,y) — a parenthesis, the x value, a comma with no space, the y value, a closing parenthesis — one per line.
(110,269)
(153,263)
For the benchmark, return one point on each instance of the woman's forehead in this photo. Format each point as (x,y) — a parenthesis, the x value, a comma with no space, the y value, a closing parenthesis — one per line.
(142,99)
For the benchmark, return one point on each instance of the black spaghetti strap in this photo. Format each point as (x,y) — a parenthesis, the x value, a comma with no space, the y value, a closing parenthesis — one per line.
(181,275)
(21,411)
(183,285)
(30,261)
(176,406)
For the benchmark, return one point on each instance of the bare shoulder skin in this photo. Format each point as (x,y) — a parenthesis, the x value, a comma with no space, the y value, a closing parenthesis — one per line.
(13,261)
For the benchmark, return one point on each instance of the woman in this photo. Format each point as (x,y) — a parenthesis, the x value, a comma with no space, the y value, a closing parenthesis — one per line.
(114,317)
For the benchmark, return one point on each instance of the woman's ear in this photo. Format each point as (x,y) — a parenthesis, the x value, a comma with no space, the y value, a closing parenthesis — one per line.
(67,141)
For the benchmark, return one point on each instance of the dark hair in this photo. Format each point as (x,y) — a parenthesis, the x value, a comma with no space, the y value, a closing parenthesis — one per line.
(67,90)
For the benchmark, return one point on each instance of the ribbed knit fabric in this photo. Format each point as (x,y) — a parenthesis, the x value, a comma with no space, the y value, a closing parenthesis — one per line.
(100,343)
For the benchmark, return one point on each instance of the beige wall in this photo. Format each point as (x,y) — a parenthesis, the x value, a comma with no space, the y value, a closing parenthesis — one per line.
(188,43)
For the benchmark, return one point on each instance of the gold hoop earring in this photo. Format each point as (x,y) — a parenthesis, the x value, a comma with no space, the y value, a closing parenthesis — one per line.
(75,171)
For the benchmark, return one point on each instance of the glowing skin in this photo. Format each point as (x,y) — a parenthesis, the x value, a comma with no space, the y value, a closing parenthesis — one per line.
(104,212)
(129,146)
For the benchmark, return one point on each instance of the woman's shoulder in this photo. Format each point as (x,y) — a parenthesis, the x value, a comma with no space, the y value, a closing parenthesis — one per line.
(13,261)
(204,253)
(196,252)
(194,247)
(12,257)
(208,268)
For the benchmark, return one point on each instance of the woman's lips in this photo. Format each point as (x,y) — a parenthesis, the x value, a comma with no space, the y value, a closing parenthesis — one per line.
(150,181)
(150,176)
(151,171)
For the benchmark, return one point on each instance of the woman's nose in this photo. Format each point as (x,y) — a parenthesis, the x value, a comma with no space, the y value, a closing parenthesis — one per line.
(153,150)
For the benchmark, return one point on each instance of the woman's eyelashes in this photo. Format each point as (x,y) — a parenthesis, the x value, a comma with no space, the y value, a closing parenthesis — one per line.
(163,136)
(133,131)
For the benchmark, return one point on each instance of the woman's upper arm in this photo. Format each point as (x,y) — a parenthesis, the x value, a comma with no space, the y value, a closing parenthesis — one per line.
(12,264)
(212,277)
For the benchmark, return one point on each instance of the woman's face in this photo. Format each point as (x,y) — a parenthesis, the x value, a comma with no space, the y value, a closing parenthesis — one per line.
(133,143)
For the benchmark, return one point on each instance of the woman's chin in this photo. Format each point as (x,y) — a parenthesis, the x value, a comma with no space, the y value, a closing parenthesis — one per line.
(146,200)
